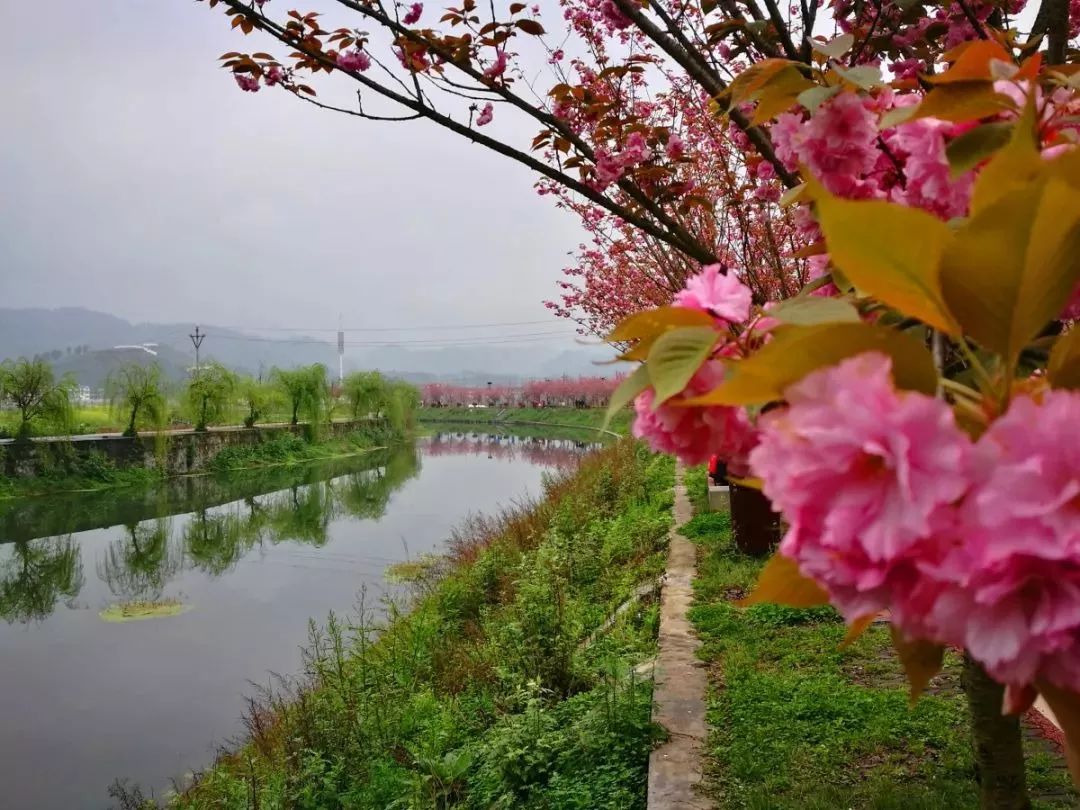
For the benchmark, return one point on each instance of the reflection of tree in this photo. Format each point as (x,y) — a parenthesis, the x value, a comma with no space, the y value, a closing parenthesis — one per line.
(214,543)
(36,574)
(304,515)
(365,494)
(559,453)
(138,566)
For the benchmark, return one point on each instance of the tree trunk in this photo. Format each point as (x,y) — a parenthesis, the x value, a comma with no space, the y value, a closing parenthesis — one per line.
(754,525)
(999,752)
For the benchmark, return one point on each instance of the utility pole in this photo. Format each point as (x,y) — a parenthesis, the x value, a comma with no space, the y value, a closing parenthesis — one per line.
(340,353)
(197,340)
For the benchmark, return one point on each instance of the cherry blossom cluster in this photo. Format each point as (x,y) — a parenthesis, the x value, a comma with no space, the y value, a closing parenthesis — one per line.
(891,506)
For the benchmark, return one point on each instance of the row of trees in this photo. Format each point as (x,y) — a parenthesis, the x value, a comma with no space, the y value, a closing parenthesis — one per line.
(579,392)
(212,395)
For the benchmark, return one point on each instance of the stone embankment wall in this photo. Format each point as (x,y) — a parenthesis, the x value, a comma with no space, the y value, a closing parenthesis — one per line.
(176,452)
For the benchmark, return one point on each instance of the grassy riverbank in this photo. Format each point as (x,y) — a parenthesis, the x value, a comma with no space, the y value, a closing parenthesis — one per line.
(799,724)
(69,471)
(491,691)
(592,418)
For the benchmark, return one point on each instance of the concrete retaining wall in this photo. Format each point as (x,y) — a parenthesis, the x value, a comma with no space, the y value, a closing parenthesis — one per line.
(177,452)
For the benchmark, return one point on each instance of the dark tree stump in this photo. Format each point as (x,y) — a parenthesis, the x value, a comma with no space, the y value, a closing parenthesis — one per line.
(754,525)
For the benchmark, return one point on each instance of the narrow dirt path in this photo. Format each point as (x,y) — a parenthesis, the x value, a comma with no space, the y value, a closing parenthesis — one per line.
(680,681)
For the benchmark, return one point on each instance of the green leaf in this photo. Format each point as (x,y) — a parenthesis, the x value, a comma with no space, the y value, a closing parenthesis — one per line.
(793,195)
(976,145)
(795,351)
(895,117)
(921,661)
(866,77)
(816,96)
(962,102)
(807,310)
(1015,165)
(1012,267)
(835,47)
(626,392)
(675,358)
(1063,370)
(752,80)
(653,322)
(779,94)
(780,583)
(857,628)
(889,251)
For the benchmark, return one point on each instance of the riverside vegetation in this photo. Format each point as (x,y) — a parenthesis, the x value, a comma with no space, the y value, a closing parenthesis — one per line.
(503,685)
(384,410)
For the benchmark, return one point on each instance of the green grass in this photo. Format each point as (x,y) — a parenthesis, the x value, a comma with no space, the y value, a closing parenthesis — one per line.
(485,693)
(573,417)
(290,448)
(798,723)
(85,419)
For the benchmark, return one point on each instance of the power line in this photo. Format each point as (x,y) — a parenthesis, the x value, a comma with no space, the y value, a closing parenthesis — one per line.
(526,337)
(386,328)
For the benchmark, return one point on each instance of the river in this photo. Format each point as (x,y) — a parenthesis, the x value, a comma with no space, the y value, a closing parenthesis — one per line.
(248,559)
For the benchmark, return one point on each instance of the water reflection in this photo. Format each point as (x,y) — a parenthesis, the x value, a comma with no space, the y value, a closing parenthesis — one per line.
(253,557)
(558,453)
(140,563)
(150,549)
(34,576)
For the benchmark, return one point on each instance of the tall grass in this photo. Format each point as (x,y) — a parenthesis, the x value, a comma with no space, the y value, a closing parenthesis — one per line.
(479,690)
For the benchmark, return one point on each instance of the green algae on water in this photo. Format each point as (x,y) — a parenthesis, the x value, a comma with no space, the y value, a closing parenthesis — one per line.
(139,610)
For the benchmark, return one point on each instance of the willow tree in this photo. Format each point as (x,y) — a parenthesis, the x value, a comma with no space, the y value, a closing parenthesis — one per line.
(137,390)
(210,394)
(305,389)
(32,388)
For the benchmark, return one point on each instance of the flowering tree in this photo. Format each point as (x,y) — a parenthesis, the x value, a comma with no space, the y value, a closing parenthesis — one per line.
(908,410)
(911,428)
(582,392)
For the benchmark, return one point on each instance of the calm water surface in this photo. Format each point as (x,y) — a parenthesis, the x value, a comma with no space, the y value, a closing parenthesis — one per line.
(85,701)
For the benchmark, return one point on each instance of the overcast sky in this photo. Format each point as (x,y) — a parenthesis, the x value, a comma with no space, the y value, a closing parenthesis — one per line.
(138,180)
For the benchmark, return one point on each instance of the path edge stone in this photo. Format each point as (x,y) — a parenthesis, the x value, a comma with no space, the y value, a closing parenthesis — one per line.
(680,682)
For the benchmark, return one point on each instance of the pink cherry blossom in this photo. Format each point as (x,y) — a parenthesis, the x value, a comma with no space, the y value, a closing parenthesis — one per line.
(675,148)
(274,75)
(486,115)
(635,151)
(247,82)
(356,61)
(613,15)
(1072,309)
(723,296)
(1008,588)
(609,169)
(866,477)
(838,143)
(413,15)
(929,183)
(498,67)
(695,434)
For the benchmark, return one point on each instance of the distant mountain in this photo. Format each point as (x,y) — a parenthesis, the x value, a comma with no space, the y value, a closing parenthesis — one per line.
(92,368)
(89,344)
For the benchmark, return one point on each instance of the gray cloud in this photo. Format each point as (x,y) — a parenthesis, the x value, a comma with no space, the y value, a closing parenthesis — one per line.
(139,180)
